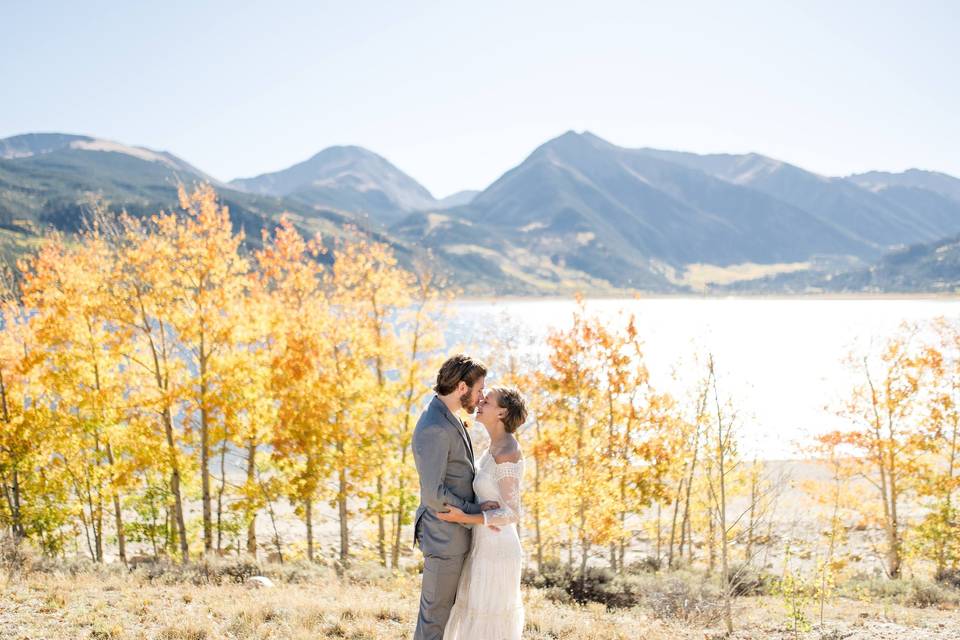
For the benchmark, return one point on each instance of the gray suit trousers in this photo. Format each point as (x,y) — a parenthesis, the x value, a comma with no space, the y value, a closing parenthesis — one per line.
(441,576)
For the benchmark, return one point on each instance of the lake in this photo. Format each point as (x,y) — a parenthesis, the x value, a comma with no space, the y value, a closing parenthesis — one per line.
(780,359)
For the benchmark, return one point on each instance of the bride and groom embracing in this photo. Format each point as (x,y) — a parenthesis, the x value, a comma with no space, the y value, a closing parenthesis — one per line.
(469,507)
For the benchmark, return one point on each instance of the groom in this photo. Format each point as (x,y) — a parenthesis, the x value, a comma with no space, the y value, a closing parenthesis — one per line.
(443,454)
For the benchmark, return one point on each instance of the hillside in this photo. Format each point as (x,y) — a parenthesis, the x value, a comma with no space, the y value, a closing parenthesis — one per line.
(868,216)
(929,268)
(932,181)
(578,214)
(53,180)
(632,220)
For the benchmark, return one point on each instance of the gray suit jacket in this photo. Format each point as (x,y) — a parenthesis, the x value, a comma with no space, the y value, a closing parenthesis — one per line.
(443,454)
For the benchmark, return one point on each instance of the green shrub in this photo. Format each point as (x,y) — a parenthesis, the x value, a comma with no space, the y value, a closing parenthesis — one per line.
(649,564)
(745,580)
(683,597)
(876,587)
(679,595)
(931,594)
(203,571)
(363,573)
(596,585)
(298,572)
(14,555)
(950,577)
(911,593)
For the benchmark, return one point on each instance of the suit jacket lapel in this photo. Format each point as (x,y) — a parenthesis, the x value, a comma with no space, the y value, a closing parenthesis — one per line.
(466,432)
(456,424)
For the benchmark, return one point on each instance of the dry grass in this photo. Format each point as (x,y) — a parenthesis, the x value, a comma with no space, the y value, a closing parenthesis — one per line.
(108,605)
(700,276)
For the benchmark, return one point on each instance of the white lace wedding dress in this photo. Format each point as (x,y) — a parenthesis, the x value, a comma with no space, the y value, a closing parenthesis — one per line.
(488,604)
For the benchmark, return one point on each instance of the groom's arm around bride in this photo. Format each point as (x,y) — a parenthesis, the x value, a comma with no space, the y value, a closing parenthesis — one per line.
(431,448)
(446,475)
(443,454)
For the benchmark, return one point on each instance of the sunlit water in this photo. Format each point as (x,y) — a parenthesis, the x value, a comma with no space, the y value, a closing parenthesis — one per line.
(780,360)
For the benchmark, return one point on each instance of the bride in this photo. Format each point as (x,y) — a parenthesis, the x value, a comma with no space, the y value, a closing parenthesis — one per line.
(488,604)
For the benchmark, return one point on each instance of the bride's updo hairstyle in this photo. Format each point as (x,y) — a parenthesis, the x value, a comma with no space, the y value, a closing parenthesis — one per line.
(512,400)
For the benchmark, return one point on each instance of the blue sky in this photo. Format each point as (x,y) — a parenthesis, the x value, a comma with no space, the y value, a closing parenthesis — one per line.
(456,93)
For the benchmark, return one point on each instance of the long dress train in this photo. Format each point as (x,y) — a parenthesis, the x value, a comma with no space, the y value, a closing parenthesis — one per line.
(488,604)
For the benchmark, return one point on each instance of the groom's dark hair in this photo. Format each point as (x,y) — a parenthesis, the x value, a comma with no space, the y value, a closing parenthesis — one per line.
(460,367)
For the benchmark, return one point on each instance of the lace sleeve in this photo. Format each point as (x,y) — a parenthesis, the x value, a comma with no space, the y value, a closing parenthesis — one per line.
(508,476)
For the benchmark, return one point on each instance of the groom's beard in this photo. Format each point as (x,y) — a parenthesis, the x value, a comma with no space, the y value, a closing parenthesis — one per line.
(467,403)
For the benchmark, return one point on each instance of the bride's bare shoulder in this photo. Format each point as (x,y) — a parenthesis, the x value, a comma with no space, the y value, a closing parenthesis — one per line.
(508,451)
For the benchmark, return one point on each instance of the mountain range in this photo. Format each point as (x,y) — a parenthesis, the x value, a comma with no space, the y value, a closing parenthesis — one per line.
(578,213)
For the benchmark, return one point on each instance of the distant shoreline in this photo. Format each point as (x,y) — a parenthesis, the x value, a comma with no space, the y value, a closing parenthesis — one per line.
(740,296)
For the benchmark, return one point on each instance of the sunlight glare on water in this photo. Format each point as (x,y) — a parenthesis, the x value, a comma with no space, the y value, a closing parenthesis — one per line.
(781,360)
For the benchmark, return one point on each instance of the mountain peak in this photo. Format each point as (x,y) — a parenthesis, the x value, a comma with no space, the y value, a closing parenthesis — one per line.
(572,136)
(940,183)
(572,142)
(348,178)
(346,151)
(32,144)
